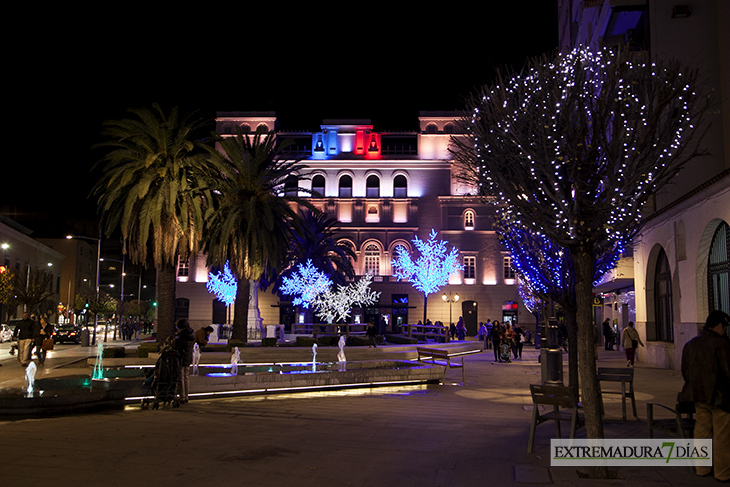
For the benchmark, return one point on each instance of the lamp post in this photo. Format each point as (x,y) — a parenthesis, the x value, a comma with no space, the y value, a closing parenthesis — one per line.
(451,300)
(98,257)
(121,302)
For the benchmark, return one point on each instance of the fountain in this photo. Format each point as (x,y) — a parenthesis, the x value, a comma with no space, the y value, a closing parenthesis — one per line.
(235,359)
(196,359)
(98,373)
(30,377)
(341,359)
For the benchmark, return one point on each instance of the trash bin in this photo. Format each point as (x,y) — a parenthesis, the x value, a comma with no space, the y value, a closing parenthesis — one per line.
(85,337)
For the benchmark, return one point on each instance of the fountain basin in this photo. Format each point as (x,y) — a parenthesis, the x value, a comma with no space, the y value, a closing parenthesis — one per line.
(124,385)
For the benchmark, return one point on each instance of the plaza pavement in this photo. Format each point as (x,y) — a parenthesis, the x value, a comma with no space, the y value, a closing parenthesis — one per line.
(456,434)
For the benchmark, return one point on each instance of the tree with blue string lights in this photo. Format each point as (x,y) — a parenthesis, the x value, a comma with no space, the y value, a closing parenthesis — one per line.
(431,270)
(571,148)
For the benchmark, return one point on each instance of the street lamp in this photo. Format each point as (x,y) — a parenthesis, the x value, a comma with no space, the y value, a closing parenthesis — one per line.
(98,257)
(451,300)
(121,302)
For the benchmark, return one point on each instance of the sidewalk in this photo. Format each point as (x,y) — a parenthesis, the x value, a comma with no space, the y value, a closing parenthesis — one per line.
(443,435)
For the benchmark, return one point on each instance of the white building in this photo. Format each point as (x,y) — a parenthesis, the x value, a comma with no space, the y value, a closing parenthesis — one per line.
(19,252)
(384,188)
(681,259)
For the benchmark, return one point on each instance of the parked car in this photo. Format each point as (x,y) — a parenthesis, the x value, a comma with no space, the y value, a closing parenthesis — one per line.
(67,333)
(6,333)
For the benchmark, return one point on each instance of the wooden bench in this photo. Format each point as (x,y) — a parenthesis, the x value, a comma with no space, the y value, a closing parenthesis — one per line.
(681,425)
(443,357)
(625,376)
(557,397)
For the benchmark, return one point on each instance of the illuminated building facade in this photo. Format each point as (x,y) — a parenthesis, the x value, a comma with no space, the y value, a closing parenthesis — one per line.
(384,188)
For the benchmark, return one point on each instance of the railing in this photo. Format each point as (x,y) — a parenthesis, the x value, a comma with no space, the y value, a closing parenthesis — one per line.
(326,329)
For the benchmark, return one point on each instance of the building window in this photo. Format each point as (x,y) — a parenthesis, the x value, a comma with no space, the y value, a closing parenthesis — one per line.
(663,300)
(432,128)
(345,187)
(373,216)
(372,189)
(509,272)
(318,186)
(449,128)
(469,220)
(291,187)
(400,187)
(182,308)
(718,271)
(470,269)
(372,260)
(183,269)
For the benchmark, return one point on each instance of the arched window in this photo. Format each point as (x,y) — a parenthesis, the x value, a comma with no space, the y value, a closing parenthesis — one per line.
(372,184)
(345,187)
(318,186)
(372,260)
(449,128)
(291,187)
(432,128)
(469,220)
(400,187)
(718,270)
(663,314)
(245,128)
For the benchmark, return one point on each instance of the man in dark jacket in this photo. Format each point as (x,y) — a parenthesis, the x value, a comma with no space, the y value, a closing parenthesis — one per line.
(706,372)
(24,335)
(184,338)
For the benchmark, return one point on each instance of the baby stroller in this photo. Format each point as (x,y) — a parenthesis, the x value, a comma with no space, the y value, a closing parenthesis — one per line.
(165,380)
(504,351)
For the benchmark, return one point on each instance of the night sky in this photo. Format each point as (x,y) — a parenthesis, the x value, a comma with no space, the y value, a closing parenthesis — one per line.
(71,72)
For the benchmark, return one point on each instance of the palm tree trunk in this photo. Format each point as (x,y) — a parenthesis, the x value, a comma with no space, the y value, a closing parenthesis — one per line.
(584,263)
(240,311)
(165,302)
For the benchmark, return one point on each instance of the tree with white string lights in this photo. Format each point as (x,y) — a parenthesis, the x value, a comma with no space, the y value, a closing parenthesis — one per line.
(571,149)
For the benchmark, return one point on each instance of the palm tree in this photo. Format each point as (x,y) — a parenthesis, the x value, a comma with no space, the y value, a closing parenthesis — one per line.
(251,224)
(154,188)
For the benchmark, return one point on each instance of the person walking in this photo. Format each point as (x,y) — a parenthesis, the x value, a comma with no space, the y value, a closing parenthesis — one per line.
(495,335)
(482,333)
(371,333)
(487,340)
(461,329)
(706,373)
(630,340)
(519,341)
(607,335)
(184,339)
(42,331)
(24,335)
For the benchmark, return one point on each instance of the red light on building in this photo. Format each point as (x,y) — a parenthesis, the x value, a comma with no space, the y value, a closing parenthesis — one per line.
(509,306)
